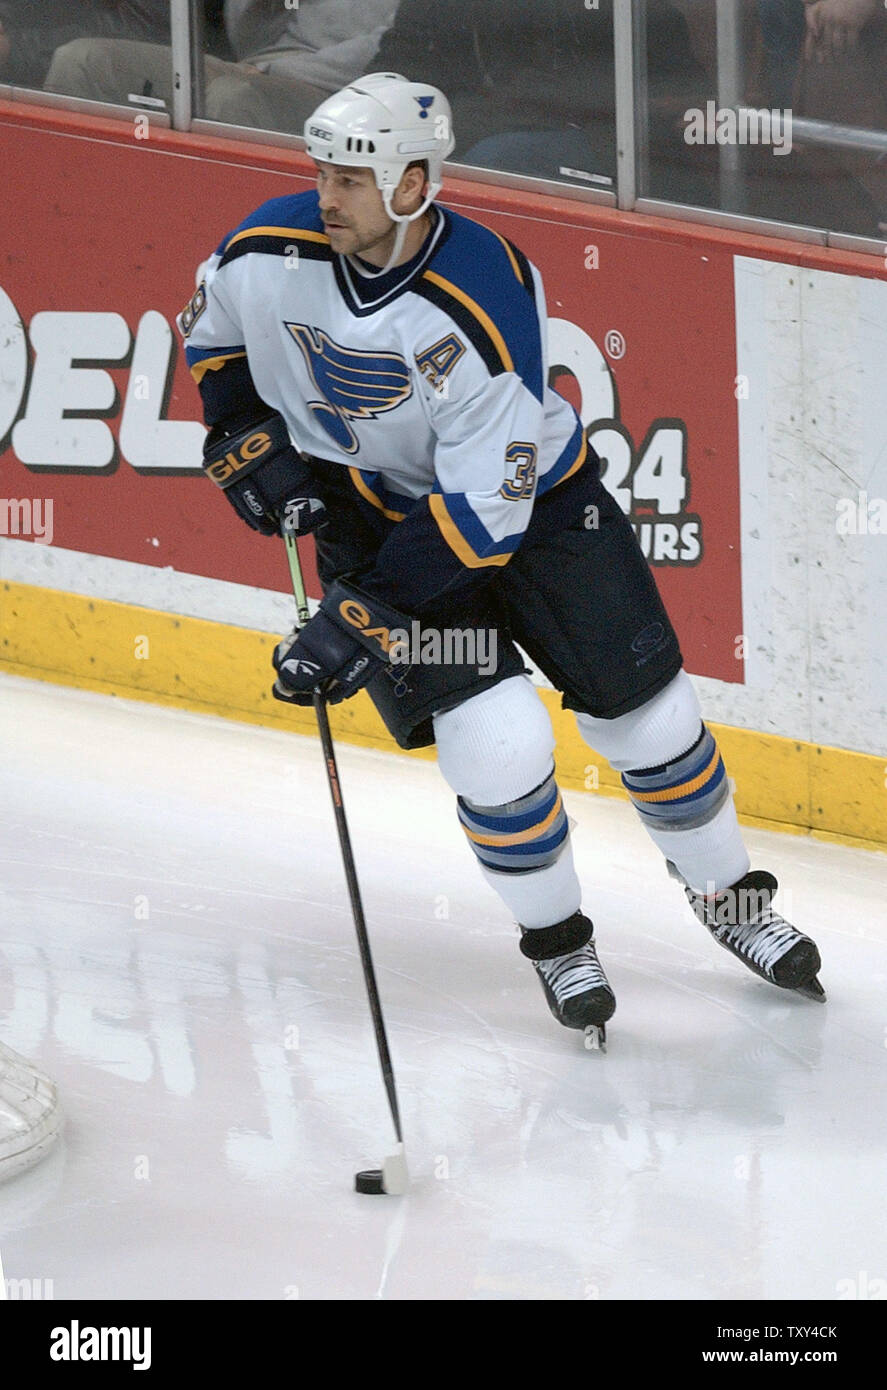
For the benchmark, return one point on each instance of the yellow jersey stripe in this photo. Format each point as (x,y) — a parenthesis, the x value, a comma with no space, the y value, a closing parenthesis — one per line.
(320,237)
(365,491)
(213,364)
(683,788)
(580,459)
(454,538)
(514,265)
(520,837)
(478,313)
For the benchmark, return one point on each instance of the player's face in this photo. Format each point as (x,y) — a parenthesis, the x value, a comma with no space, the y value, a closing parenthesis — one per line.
(353,213)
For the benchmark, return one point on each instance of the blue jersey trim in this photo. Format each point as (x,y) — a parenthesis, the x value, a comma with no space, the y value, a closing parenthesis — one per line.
(477,262)
(299,210)
(564,462)
(472,529)
(196,354)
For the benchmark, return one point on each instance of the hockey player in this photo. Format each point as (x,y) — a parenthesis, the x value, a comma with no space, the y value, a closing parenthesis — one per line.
(373,368)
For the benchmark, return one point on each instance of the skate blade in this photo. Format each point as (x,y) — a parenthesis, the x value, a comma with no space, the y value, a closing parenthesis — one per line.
(812,990)
(596,1037)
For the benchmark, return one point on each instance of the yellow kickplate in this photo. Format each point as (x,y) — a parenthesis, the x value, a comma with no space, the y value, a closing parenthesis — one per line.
(214,668)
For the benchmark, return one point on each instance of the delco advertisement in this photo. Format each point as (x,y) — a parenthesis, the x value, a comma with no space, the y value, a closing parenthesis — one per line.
(100,422)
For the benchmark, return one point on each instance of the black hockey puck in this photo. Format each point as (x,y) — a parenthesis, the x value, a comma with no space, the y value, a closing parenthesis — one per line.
(370,1180)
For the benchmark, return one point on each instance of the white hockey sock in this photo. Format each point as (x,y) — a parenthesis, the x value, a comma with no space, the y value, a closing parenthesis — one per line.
(710,857)
(673,773)
(543,897)
(496,752)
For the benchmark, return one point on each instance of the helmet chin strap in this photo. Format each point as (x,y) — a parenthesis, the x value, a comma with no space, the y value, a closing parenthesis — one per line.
(402,219)
(400,237)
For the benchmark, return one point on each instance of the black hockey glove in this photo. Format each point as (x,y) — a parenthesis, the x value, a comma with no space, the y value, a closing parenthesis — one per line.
(264,478)
(343,646)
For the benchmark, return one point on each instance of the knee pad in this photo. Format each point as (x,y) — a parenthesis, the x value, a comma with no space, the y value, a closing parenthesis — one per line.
(669,761)
(519,836)
(661,729)
(496,752)
(496,746)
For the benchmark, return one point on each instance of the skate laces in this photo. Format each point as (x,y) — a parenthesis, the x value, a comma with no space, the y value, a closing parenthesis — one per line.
(573,974)
(763,942)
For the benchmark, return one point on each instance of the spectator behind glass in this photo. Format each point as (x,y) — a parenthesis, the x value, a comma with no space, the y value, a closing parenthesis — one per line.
(531,85)
(827,60)
(821,32)
(288,60)
(31,30)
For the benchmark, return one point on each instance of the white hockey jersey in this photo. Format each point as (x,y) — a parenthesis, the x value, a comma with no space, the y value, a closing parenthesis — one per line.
(431,390)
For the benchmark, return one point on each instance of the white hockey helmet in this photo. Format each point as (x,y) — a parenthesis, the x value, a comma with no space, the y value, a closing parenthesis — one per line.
(384,122)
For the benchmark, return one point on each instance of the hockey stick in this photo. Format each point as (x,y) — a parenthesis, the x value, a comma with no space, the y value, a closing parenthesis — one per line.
(392,1177)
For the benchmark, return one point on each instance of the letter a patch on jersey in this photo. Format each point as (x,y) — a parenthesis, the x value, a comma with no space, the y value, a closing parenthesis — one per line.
(436,362)
(354,385)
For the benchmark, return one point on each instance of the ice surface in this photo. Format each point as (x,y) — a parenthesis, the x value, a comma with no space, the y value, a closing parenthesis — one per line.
(176,949)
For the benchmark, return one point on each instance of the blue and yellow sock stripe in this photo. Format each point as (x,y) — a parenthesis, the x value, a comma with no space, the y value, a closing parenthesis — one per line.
(691,790)
(520,835)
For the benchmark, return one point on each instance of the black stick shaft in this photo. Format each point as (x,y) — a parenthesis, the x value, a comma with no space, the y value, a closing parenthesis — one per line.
(363,939)
(332,771)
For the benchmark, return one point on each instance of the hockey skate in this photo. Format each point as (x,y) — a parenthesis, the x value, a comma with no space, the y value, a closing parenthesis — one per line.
(577,990)
(742,919)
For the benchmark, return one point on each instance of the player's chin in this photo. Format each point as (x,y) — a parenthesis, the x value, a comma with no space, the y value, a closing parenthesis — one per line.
(339,237)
